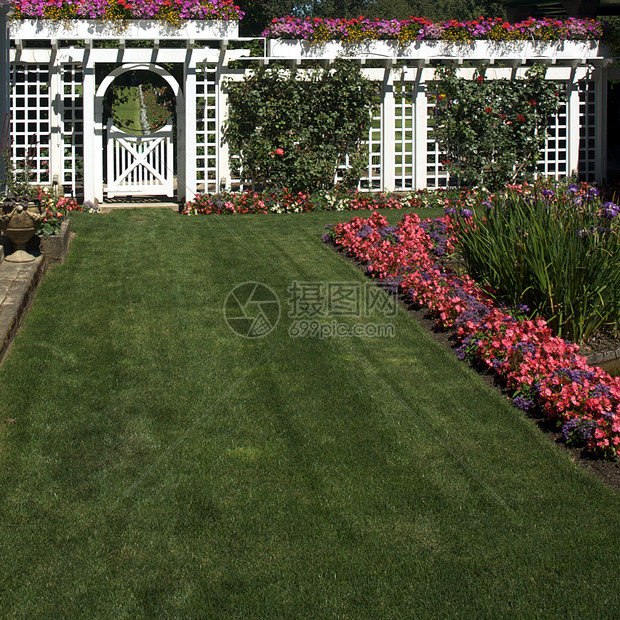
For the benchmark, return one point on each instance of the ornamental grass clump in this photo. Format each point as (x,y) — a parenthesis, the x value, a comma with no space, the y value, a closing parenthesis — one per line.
(555,250)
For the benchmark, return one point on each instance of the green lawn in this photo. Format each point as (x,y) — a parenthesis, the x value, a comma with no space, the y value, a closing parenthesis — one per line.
(126,110)
(155,464)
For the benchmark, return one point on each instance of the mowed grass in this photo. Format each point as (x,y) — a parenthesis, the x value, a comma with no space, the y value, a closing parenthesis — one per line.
(126,110)
(155,464)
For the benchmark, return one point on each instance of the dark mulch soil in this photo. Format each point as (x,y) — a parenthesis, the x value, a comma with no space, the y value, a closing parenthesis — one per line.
(600,344)
(607,471)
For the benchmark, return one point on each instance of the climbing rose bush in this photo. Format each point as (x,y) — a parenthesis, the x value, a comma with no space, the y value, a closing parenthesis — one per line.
(542,371)
(492,132)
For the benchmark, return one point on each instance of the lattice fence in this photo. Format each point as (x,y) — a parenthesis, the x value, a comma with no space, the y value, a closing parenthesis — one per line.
(30,121)
(554,155)
(587,130)
(404,136)
(206,128)
(72,127)
(436,173)
(371,177)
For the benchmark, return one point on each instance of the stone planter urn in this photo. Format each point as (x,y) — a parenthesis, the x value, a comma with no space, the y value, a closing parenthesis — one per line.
(19,219)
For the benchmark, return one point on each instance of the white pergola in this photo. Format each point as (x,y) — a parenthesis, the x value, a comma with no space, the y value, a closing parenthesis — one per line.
(58,90)
(71,75)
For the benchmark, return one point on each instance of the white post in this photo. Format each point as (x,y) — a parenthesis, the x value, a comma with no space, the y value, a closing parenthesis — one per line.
(420,131)
(572,124)
(179,148)
(222,151)
(388,128)
(56,102)
(5,106)
(93,147)
(187,185)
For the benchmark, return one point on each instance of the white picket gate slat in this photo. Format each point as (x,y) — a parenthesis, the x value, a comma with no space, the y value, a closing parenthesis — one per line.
(140,165)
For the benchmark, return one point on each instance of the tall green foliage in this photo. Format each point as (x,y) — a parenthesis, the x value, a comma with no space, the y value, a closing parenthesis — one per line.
(292,128)
(492,131)
(555,251)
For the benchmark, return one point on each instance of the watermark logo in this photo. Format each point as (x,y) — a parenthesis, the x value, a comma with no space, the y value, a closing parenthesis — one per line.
(316,308)
(252,310)
(313,328)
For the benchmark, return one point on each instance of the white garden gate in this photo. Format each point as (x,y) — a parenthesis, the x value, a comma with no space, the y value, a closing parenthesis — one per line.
(140,165)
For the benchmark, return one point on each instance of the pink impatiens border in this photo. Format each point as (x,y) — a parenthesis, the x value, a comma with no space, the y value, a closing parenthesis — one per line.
(543,371)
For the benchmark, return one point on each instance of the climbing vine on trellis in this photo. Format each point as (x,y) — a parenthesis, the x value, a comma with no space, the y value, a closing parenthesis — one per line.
(492,130)
(294,128)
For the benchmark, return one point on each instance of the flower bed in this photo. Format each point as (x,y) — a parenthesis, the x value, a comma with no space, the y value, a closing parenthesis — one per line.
(419,28)
(283,201)
(542,371)
(57,210)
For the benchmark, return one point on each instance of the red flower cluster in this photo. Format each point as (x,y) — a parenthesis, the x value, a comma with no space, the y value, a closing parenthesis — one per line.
(283,201)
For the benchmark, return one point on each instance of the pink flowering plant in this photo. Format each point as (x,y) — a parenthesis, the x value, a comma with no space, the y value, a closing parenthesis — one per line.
(57,209)
(287,201)
(113,10)
(319,30)
(543,372)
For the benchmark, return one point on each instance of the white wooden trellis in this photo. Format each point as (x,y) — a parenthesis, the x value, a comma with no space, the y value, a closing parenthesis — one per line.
(207,124)
(371,175)
(587,129)
(72,166)
(67,137)
(30,127)
(554,156)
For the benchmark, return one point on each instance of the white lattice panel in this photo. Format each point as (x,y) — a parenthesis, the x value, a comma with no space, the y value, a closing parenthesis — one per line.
(206,128)
(554,154)
(30,121)
(372,179)
(587,130)
(436,173)
(404,136)
(72,128)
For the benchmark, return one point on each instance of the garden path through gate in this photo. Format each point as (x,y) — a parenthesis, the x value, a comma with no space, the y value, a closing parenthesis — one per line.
(140,165)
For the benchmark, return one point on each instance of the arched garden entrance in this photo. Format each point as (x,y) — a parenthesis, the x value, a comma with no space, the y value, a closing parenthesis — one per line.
(138,157)
(57,100)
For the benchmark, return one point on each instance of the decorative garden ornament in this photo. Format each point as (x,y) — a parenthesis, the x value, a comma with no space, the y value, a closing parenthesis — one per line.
(19,224)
